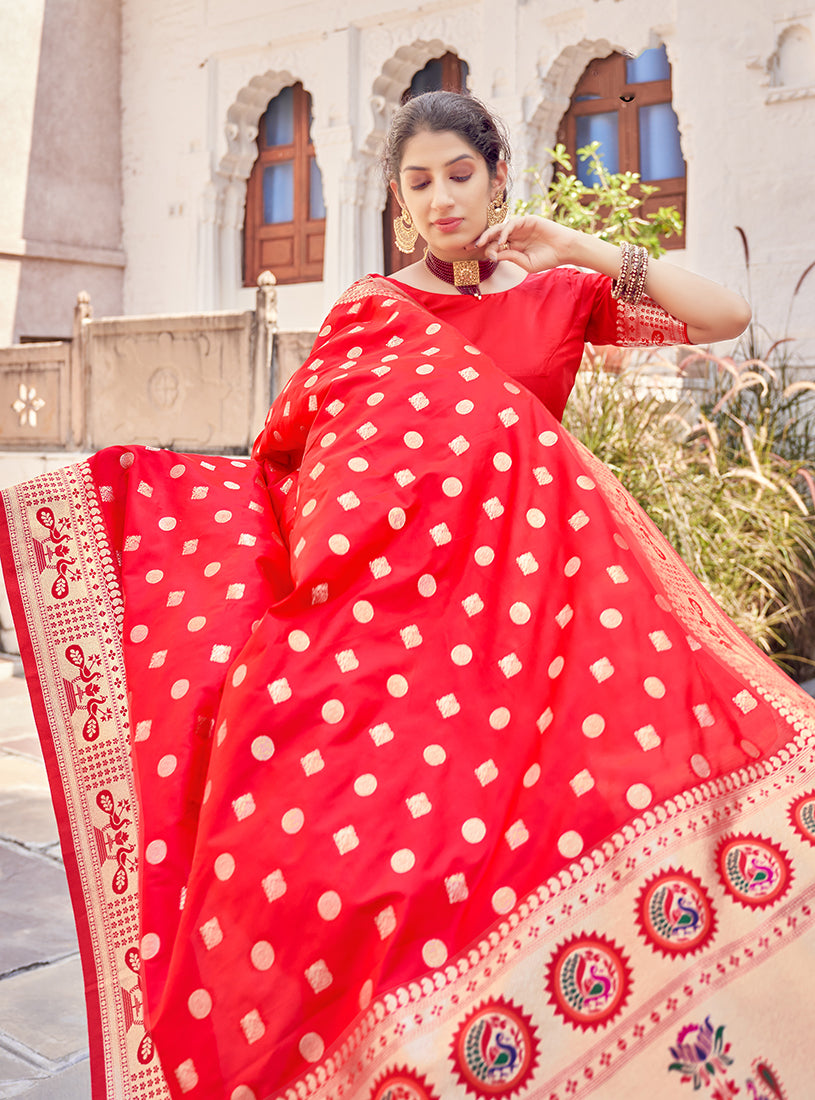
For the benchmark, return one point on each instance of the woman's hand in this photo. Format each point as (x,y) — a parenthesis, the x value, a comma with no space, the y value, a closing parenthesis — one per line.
(710,311)
(532,242)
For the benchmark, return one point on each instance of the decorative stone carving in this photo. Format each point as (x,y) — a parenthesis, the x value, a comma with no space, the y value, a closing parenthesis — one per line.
(27,405)
(793,63)
(785,95)
(34,396)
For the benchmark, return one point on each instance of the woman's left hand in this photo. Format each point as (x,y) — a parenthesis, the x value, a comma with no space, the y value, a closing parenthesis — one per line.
(532,242)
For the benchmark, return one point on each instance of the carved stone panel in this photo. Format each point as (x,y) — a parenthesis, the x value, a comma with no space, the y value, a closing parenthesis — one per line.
(34,395)
(184,382)
(291,351)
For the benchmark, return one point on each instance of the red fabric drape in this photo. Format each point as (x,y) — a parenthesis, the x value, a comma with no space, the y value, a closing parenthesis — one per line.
(341,720)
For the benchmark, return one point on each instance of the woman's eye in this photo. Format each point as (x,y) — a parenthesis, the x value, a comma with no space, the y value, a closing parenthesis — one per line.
(460,179)
(418,186)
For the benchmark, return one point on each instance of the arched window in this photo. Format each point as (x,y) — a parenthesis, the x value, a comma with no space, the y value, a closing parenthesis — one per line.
(625,104)
(284,226)
(442,74)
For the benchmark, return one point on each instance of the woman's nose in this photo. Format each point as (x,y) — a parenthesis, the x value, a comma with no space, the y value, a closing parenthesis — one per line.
(442,199)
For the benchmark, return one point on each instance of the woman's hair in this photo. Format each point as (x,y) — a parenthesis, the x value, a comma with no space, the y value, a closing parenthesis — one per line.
(456,112)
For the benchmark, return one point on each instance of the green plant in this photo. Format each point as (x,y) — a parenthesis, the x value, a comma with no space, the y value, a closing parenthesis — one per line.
(736,515)
(761,386)
(611,209)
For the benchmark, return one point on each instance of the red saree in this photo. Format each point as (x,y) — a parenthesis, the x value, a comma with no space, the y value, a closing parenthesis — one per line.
(408,760)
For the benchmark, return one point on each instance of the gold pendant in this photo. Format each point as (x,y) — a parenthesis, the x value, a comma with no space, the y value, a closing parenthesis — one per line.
(466,273)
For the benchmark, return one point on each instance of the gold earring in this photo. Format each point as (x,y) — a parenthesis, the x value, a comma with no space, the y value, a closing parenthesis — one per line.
(405,231)
(497,210)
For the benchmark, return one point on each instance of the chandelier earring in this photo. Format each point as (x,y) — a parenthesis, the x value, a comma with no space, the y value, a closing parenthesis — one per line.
(405,232)
(497,209)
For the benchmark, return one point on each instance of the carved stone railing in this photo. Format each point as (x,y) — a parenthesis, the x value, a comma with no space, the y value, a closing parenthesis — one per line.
(197,382)
(194,382)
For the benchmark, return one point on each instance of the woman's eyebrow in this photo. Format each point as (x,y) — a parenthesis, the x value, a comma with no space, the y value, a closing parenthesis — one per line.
(420,168)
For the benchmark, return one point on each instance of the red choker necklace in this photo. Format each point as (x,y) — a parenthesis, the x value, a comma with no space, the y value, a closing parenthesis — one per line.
(465,275)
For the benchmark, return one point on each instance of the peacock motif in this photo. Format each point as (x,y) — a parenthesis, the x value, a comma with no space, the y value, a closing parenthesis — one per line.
(753,870)
(675,913)
(589,980)
(495,1050)
(401,1083)
(802,816)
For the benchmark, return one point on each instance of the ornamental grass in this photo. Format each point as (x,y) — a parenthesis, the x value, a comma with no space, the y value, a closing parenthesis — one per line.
(726,471)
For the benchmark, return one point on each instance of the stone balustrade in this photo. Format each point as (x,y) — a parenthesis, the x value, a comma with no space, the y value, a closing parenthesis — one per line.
(199,383)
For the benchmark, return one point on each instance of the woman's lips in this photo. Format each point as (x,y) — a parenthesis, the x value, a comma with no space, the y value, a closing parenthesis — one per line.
(447,225)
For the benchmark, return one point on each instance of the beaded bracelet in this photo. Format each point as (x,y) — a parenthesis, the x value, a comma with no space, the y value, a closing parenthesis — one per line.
(630,284)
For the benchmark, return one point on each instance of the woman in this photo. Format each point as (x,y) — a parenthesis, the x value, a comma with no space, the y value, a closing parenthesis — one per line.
(408,760)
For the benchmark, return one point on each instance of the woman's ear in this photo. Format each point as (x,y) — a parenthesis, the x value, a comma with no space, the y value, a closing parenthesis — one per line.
(499,182)
(394,186)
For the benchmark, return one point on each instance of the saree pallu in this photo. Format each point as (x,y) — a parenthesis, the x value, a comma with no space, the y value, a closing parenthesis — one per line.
(406,760)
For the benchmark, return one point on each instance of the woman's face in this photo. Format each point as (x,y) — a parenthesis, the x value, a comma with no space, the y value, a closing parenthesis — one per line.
(446,187)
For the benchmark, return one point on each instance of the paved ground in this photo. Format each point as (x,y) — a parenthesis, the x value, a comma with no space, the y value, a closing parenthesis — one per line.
(43,1034)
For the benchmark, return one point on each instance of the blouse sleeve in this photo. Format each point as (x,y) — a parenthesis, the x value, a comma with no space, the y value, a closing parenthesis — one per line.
(645,325)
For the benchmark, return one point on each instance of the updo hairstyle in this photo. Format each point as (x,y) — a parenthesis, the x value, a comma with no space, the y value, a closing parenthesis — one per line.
(437,112)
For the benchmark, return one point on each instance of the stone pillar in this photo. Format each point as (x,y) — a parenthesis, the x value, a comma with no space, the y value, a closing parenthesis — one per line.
(229,253)
(341,262)
(373,203)
(263,347)
(208,250)
(79,369)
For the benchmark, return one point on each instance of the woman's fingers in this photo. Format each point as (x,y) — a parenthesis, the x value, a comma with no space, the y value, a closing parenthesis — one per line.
(490,238)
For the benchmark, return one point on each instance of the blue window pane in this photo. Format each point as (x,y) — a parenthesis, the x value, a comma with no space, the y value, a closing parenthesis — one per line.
(431,77)
(427,79)
(660,149)
(650,65)
(278,193)
(316,206)
(584,98)
(280,119)
(602,128)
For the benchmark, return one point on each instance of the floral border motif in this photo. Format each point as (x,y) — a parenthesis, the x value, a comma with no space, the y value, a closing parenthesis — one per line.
(766,1077)
(703,1058)
(701,1054)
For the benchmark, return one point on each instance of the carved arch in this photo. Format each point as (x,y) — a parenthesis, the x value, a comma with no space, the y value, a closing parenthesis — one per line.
(389,85)
(242,119)
(224,198)
(554,90)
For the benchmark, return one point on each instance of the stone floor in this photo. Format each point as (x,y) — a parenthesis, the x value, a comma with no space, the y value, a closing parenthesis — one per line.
(43,1033)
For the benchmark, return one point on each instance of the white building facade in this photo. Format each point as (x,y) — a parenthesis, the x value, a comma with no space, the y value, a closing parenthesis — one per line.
(164,119)
(197,76)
